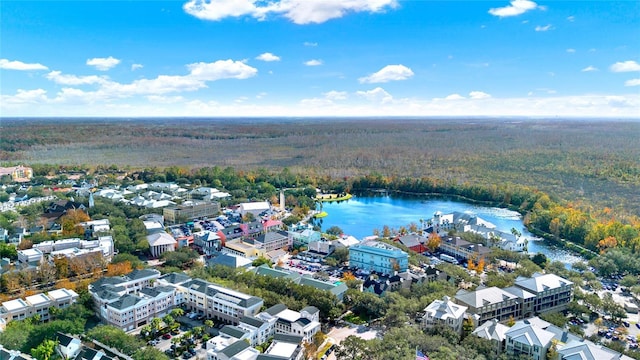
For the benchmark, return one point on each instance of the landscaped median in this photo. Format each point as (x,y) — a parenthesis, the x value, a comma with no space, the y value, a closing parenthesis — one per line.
(332,197)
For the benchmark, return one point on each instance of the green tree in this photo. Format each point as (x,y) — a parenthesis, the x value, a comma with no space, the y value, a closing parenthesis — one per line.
(334,230)
(45,350)
(149,353)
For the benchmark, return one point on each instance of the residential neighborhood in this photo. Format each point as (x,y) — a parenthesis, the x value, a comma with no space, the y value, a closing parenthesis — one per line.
(192,274)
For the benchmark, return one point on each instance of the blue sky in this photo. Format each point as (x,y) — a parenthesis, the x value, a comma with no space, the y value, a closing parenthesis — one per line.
(320,58)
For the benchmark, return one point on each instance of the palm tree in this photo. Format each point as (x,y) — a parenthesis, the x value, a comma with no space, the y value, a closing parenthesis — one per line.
(208,323)
(146,330)
(197,331)
(168,320)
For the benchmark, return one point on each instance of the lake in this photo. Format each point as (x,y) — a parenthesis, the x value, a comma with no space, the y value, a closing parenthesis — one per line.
(360,215)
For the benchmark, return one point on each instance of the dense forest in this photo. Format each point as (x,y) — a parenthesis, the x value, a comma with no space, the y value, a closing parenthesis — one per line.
(588,162)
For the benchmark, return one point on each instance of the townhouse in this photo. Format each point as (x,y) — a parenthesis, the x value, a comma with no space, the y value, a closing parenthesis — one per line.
(552,293)
(490,303)
(288,322)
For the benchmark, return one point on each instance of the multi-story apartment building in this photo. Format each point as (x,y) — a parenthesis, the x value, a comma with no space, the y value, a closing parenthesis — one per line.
(491,303)
(109,289)
(525,338)
(131,311)
(379,257)
(271,241)
(288,322)
(444,312)
(195,210)
(260,327)
(463,249)
(217,302)
(552,293)
(38,304)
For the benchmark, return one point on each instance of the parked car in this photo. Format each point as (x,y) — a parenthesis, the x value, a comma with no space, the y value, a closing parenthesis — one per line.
(166,336)
(626,324)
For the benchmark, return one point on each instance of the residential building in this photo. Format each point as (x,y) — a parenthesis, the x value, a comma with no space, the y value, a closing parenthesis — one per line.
(552,293)
(17,173)
(96,226)
(233,261)
(490,303)
(414,242)
(109,289)
(303,238)
(176,214)
(378,256)
(6,354)
(260,328)
(304,323)
(160,243)
(586,350)
(30,257)
(238,350)
(217,302)
(493,331)
(444,312)
(271,241)
(463,249)
(38,304)
(209,241)
(528,339)
(68,347)
(284,347)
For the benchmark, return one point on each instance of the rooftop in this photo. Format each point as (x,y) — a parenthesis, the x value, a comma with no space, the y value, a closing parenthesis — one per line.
(484,297)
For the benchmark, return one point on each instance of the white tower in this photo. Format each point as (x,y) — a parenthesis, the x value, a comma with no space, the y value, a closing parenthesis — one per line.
(282,200)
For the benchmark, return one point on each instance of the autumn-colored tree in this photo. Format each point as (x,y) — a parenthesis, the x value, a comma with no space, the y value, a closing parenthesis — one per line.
(62,266)
(413,227)
(386,231)
(65,284)
(609,242)
(480,266)
(470,264)
(119,268)
(434,241)
(25,244)
(70,222)
(347,275)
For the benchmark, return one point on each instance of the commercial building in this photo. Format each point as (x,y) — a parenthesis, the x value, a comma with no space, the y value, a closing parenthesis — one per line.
(288,322)
(463,249)
(194,210)
(161,242)
(377,256)
(490,303)
(38,304)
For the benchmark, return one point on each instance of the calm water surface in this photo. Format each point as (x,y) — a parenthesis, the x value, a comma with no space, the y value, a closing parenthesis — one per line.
(362,214)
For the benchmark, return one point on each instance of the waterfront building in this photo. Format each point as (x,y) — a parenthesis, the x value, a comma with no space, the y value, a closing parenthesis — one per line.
(377,256)
(463,249)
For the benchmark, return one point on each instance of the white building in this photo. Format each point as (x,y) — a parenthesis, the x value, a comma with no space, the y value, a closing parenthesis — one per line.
(38,304)
(493,331)
(286,347)
(444,312)
(528,339)
(253,207)
(160,243)
(30,257)
(288,322)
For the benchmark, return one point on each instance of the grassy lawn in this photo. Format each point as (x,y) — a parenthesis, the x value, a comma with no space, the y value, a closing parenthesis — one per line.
(332,197)
(321,215)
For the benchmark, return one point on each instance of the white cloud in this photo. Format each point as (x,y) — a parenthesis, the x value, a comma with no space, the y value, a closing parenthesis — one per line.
(517,7)
(19,65)
(632,82)
(376,95)
(135,67)
(454,97)
(543,28)
(103,64)
(268,57)
(477,95)
(261,95)
(571,51)
(298,11)
(165,99)
(335,95)
(221,69)
(313,62)
(388,73)
(571,18)
(310,44)
(625,66)
(64,79)
(25,97)
(589,69)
